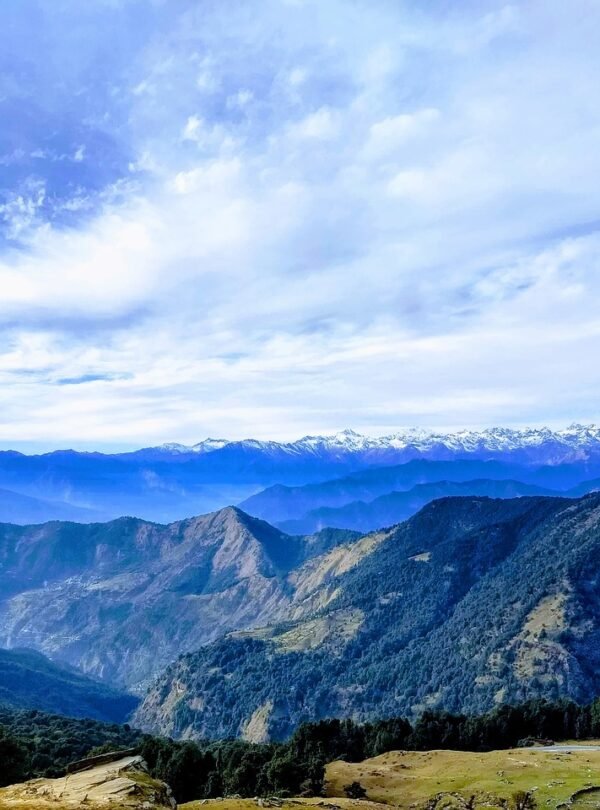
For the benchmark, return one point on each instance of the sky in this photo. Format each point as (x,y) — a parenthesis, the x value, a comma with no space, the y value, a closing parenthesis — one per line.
(272,218)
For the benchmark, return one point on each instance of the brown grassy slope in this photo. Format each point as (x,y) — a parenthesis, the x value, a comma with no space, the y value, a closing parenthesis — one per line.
(410,779)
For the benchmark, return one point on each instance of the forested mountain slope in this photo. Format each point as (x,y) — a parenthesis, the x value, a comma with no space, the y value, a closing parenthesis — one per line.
(470,603)
(28,680)
(121,600)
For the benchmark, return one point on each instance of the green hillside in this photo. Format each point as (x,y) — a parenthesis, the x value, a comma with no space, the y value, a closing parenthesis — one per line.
(470,603)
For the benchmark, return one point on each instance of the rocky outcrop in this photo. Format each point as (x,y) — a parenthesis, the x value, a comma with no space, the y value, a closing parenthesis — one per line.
(122,782)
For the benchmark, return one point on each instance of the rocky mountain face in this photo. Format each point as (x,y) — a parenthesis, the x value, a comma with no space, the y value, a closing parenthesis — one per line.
(121,600)
(173,481)
(120,780)
(471,602)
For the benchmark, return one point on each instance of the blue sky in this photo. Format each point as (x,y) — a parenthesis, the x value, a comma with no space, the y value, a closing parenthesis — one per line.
(290,216)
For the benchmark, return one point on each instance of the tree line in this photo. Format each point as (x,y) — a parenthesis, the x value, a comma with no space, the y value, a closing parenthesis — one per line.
(297,766)
(212,768)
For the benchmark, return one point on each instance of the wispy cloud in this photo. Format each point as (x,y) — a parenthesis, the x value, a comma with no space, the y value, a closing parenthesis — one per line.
(314,216)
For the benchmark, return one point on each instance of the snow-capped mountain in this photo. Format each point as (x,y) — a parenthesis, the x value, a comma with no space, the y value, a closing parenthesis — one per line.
(205,446)
(175,480)
(176,451)
(576,439)
(536,445)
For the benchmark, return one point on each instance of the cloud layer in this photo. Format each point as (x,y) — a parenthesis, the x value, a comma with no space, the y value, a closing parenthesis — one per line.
(219,219)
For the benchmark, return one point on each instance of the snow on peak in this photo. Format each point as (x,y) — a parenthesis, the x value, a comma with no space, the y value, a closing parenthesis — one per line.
(208,445)
(174,447)
(571,442)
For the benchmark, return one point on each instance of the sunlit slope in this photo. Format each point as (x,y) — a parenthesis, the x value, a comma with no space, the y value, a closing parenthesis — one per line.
(471,603)
(412,779)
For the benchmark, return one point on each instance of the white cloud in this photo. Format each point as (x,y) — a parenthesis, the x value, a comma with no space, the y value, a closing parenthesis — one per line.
(297,76)
(322,125)
(213,177)
(21,210)
(240,99)
(193,128)
(391,133)
(384,237)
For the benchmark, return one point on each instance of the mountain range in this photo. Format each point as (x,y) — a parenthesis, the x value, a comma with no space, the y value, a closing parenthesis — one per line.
(228,626)
(380,496)
(394,507)
(535,445)
(173,481)
(357,577)
(121,600)
(470,603)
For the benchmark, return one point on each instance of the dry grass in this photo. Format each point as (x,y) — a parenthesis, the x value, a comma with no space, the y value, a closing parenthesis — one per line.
(287,804)
(410,779)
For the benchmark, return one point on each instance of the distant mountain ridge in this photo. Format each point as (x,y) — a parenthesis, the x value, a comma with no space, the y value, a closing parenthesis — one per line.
(394,507)
(17,508)
(381,496)
(539,445)
(172,482)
